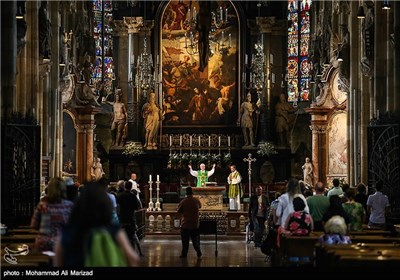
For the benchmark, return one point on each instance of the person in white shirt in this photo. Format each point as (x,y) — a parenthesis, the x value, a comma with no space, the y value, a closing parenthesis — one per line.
(378,207)
(285,205)
(135,185)
(337,189)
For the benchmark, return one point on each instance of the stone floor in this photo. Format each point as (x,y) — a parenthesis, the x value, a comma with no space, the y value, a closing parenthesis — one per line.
(233,251)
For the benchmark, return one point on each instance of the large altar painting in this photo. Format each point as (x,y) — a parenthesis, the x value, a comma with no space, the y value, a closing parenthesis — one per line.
(337,150)
(192,95)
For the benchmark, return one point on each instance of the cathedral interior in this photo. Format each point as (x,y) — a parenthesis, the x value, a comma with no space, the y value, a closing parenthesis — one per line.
(102,89)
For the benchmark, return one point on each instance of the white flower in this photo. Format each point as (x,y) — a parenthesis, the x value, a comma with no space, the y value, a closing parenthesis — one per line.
(266,149)
(132,150)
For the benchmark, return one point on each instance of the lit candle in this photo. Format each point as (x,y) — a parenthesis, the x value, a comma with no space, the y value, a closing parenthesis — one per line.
(158,178)
(180,140)
(199,141)
(230,40)
(226,14)
(219,141)
(190,140)
(245,59)
(229,141)
(170,140)
(221,15)
(150,178)
(209,141)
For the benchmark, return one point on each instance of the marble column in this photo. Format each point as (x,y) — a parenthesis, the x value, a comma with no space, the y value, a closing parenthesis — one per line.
(8,56)
(84,127)
(318,127)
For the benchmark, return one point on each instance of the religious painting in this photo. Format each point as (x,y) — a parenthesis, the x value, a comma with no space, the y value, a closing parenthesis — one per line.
(69,145)
(199,58)
(337,149)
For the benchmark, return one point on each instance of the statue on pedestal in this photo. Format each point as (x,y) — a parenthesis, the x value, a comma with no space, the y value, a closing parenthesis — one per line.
(308,172)
(282,120)
(97,170)
(119,127)
(152,115)
(246,121)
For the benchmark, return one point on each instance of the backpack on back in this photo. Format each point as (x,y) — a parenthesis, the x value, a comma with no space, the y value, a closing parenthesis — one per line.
(102,250)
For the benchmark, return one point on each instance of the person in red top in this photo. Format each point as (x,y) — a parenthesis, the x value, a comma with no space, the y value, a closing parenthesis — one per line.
(190,208)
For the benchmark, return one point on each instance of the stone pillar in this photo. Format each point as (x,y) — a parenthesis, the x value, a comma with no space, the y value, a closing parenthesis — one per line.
(380,59)
(8,56)
(318,127)
(120,34)
(396,55)
(133,25)
(389,49)
(55,105)
(85,126)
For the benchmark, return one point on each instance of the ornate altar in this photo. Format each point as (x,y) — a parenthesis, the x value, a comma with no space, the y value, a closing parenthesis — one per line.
(210,197)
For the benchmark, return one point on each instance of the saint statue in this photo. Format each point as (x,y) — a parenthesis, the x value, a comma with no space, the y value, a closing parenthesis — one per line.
(246,121)
(282,120)
(119,127)
(308,172)
(152,115)
(97,170)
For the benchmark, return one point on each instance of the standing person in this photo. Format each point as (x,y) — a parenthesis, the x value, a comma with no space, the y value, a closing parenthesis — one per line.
(246,121)
(378,207)
(337,189)
(50,215)
(235,188)
(319,205)
(202,175)
(128,204)
(92,211)
(258,211)
(189,207)
(135,185)
(308,172)
(285,205)
(119,125)
(152,115)
(355,211)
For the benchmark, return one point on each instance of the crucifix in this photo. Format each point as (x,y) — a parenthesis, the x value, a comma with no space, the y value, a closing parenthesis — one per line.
(249,159)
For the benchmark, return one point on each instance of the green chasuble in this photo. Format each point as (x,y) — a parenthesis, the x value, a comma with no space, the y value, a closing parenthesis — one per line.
(202,178)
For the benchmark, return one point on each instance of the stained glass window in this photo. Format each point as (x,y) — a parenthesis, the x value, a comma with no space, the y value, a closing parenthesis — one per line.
(298,68)
(103,72)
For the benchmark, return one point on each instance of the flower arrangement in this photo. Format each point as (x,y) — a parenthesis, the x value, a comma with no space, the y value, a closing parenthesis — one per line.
(227,157)
(132,150)
(215,158)
(266,149)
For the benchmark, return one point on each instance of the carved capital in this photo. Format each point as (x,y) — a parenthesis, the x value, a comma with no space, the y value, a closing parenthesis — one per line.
(265,24)
(119,28)
(147,27)
(318,129)
(85,128)
(133,24)
(44,68)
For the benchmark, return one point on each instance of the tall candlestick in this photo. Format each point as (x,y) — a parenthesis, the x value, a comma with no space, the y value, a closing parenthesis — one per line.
(158,178)
(150,178)
(180,140)
(219,141)
(209,141)
(229,141)
(199,141)
(170,140)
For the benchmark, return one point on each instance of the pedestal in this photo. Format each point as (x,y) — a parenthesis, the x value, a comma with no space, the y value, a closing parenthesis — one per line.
(210,197)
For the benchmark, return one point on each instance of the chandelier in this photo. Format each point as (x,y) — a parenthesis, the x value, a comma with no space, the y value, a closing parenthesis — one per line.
(257,69)
(218,42)
(145,74)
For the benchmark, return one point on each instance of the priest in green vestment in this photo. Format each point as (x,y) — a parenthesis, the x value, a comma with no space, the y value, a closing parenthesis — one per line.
(202,175)
(235,188)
